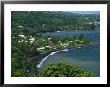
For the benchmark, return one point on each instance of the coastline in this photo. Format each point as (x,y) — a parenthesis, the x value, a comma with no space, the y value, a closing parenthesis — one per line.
(95,29)
(55,50)
(36,59)
(42,57)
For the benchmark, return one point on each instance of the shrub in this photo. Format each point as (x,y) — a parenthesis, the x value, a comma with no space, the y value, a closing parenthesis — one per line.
(65,70)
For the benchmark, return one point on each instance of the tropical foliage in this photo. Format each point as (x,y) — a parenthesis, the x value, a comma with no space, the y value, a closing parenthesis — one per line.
(33,22)
(65,70)
(28,39)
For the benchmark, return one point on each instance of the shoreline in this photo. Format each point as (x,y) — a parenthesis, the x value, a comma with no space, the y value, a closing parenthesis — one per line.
(39,60)
(41,56)
(73,30)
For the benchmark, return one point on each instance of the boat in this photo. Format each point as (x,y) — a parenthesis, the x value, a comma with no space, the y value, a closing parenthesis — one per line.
(65,50)
(79,47)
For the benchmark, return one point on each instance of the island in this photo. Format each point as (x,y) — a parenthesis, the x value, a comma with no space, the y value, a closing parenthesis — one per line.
(31,41)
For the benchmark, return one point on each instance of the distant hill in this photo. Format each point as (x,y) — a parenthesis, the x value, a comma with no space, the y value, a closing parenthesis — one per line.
(49,21)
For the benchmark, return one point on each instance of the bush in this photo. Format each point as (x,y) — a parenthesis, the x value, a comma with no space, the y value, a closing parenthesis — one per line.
(65,70)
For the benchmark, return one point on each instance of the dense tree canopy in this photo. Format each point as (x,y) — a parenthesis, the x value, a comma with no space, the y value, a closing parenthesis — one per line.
(65,70)
(32,22)
(27,40)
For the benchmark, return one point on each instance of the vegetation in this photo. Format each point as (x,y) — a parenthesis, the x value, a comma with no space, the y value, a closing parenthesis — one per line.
(33,22)
(25,47)
(65,70)
(28,39)
(33,46)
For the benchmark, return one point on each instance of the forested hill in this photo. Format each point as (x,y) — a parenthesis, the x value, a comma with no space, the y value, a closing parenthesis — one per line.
(45,21)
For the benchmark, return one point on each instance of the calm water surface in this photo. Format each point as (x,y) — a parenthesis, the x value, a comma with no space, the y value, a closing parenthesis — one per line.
(88,58)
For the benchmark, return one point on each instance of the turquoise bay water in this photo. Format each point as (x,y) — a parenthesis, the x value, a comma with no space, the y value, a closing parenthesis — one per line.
(88,58)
